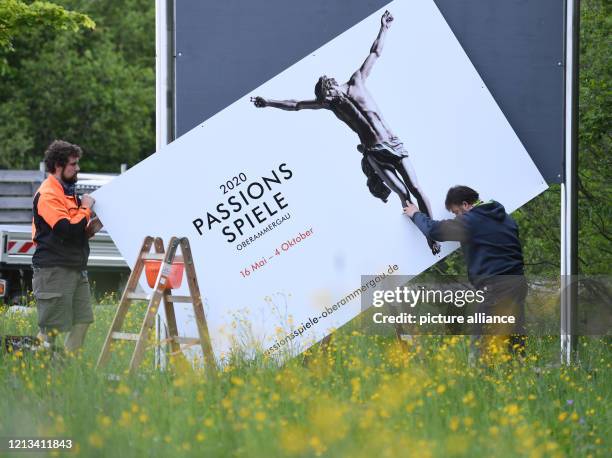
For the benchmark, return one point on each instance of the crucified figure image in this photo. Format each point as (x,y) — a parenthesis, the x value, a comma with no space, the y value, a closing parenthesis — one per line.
(385,161)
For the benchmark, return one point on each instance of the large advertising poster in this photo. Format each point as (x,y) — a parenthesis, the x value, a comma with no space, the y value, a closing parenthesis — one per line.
(294,191)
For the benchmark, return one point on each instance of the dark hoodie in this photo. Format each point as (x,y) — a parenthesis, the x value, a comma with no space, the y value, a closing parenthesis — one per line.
(489,239)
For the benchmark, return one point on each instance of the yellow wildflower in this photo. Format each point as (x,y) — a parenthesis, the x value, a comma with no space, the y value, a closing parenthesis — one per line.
(95,440)
(454,424)
(317,445)
(512,409)
(468,398)
(105,421)
(125,419)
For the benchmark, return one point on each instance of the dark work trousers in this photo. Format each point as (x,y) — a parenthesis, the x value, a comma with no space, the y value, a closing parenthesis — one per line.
(504,295)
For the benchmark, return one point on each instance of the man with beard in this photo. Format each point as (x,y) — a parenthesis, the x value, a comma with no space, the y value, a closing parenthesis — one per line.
(61,226)
(385,160)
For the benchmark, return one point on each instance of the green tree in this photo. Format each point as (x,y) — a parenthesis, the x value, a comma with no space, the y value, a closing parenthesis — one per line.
(94,98)
(18,19)
(595,162)
(91,87)
(129,25)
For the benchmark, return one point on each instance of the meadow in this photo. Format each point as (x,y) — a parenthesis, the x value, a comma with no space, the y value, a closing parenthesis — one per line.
(363,396)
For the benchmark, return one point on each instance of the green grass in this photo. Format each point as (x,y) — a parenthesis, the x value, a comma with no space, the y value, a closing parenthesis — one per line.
(364,397)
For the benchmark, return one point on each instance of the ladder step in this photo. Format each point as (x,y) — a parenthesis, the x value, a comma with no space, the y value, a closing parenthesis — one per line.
(124,336)
(187,340)
(153,256)
(160,257)
(139,297)
(176,299)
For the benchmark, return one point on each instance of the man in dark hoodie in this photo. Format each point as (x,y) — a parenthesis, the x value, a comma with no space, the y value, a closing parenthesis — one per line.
(492,250)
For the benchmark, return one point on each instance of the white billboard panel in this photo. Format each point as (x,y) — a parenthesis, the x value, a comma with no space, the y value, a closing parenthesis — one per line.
(275,203)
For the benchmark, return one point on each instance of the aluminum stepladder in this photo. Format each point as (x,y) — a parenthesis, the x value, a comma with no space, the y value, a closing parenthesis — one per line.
(160,293)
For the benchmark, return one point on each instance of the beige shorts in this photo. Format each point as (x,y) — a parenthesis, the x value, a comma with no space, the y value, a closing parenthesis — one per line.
(62,298)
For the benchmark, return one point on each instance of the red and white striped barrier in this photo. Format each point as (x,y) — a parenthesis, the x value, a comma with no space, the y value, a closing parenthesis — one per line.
(21,247)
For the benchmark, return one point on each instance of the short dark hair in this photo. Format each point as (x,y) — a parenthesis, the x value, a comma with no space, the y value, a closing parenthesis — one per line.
(318,90)
(459,194)
(58,152)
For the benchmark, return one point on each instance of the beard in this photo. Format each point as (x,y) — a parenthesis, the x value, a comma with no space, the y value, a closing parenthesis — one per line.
(69,180)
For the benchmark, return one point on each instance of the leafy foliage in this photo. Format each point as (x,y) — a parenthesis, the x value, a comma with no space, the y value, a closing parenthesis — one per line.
(595,163)
(94,87)
(18,18)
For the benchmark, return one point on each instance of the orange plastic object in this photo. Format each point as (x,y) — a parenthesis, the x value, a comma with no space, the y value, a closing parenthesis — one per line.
(174,279)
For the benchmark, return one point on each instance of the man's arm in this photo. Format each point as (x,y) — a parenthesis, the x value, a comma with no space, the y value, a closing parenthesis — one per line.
(52,209)
(289,105)
(376,49)
(445,230)
(442,231)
